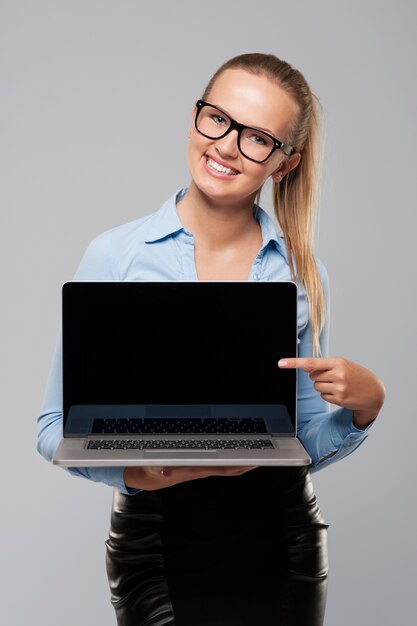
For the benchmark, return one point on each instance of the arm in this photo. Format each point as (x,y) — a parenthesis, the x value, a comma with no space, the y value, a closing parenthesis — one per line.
(95,265)
(328,435)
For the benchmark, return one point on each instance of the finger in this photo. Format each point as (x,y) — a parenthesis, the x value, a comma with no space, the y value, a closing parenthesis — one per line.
(218,471)
(156,470)
(232,471)
(238,470)
(331,398)
(306,363)
(227,469)
(320,376)
(327,388)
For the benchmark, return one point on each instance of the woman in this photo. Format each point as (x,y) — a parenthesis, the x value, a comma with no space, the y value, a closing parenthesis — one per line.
(232,546)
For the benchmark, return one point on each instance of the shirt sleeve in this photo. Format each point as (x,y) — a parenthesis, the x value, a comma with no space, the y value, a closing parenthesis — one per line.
(96,264)
(321,430)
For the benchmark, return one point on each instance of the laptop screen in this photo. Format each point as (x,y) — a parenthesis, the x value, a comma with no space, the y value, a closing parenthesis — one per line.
(198,350)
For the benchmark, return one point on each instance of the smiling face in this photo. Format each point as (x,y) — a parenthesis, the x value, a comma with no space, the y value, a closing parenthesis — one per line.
(252,100)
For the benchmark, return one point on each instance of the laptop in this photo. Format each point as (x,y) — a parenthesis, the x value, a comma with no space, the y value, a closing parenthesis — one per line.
(179,373)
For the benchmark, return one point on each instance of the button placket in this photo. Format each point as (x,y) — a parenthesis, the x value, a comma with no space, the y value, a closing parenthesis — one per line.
(186,245)
(255,273)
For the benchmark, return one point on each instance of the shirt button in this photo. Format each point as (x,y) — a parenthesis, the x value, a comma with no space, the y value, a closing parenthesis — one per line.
(256,276)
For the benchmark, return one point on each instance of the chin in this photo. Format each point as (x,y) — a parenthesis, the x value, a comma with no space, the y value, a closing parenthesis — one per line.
(217,190)
(211,186)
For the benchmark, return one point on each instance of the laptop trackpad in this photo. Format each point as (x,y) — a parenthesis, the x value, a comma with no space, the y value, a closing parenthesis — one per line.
(164,454)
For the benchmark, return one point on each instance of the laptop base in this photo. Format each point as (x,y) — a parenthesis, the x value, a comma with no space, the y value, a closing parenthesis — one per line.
(73,452)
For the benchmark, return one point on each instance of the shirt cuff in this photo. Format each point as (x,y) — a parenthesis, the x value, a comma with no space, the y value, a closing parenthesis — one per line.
(112,476)
(344,437)
(342,426)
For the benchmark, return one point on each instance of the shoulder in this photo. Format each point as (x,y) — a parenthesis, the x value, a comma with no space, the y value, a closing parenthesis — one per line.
(107,249)
(324,274)
(111,251)
(129,237)
(321,267)
(123,234)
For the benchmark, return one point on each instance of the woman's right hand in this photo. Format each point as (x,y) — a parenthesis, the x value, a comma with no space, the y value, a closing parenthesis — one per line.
(151,478)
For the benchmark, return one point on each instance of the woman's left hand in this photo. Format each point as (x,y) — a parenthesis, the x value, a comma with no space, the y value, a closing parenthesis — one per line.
(344,383)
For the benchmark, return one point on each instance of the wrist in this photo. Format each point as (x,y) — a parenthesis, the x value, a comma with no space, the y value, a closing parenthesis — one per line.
(131,477)
(362,419)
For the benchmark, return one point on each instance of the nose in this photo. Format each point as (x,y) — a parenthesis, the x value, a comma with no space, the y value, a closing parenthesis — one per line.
(227,146)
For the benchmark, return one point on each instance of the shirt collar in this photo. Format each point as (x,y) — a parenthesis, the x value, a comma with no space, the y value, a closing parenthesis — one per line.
(166,222)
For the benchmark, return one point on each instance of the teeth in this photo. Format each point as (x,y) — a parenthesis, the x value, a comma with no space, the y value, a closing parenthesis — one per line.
(220,168)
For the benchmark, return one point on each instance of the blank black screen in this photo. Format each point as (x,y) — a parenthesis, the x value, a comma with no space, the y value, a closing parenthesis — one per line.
(167,342)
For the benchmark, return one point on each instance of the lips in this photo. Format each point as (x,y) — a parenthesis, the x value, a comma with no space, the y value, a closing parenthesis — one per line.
(222,163)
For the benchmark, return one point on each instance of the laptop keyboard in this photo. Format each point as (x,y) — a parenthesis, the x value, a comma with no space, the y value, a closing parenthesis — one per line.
(179,444)
(180,426)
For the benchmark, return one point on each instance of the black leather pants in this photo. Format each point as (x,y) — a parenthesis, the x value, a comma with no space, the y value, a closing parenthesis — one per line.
(246,550)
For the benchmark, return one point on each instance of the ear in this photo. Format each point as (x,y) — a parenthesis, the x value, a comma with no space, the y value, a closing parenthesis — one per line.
(286,166)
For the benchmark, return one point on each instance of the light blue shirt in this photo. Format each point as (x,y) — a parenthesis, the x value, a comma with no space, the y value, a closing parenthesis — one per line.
(158,247)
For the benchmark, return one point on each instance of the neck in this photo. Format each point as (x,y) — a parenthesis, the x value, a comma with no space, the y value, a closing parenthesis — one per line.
(217,224)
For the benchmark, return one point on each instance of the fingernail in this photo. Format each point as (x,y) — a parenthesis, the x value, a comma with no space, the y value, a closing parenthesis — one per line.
(282,363)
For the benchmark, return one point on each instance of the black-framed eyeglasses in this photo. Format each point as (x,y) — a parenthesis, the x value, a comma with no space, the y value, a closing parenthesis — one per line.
(255,144)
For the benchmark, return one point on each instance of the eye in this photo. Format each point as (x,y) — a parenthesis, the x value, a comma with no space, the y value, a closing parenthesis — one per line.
(218,119)
(258,139)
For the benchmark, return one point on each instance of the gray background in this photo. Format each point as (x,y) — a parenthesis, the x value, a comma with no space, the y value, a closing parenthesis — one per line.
(95,104)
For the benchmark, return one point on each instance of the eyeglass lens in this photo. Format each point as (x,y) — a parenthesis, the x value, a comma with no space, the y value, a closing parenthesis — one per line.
(253,143)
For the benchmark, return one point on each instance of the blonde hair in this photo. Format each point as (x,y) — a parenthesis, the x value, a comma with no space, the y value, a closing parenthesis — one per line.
(295,197)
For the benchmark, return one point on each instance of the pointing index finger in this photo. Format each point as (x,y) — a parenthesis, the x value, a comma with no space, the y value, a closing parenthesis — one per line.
(305,363)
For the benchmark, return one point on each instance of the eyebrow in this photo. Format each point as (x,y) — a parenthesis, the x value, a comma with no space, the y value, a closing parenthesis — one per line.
(266,130)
